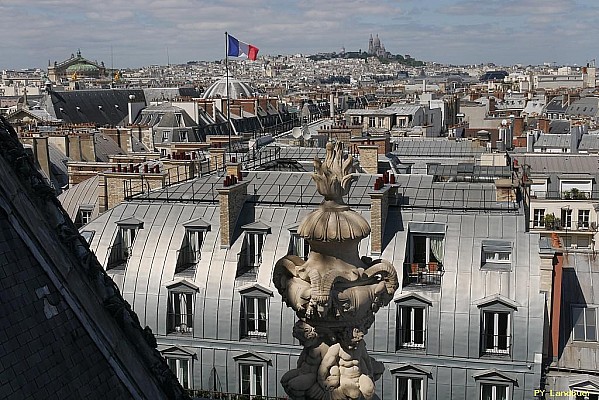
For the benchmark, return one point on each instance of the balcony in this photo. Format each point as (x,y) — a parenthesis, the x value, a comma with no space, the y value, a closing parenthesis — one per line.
(423,274)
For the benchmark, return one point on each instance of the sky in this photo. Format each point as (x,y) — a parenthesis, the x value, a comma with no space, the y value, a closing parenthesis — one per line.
(136,33)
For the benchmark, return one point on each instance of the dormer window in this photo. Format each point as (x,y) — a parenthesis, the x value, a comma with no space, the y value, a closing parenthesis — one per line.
(84,215)
(496,255)
(181,296)
(183,136)
(122,248)
(190,252)
(411,321)
(250,257)
(298,246)
(254,311)
(496,325)
(165,135)
(424,258)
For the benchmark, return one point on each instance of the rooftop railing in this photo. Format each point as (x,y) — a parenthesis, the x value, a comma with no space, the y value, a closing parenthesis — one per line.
(209,395)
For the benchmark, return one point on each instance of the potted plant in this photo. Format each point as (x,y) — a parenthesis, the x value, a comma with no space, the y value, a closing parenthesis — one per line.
(549,221)
(567,195)
(575,193)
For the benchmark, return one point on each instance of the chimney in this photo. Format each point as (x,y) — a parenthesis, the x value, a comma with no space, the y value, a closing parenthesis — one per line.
(41,154)
(518,126)
(231,200)
(379,206)
(556,298)
(543,124)
(88,149)
(530,141)
(74,151)
(217,158)
(134,108)
(234,169)
(369,158)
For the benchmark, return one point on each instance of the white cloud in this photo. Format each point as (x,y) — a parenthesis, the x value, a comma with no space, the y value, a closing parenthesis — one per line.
(139,31)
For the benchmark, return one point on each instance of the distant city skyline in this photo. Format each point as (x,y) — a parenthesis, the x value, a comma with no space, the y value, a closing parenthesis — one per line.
(140,32)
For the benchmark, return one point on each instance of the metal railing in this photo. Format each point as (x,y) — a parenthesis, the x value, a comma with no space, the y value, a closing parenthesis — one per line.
(424,274)
(496,344)
(406,341)
(564,195)
(209,395)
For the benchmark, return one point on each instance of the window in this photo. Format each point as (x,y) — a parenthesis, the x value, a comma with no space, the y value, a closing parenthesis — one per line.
(299,246)
(182,369)
(496,332)
(496,254)
(566,218)
(538,220)
(489,391)
(424,260)
(412,327)
(252,380)
(410,388)
(371,122)
(498,257)
(583,219)
(426,249)
(122,247)
(190,252)
(584,323)
(254,320)
(180,312)
(183,135)
(255,242)
(165,135)
(85,216)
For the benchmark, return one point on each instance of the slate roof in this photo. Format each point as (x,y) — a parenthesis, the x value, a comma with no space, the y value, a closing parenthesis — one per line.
(589,143)
(105,146)
(65,332)
(586,106)
(435,147)
(101,107)
(558,141)
(559,126)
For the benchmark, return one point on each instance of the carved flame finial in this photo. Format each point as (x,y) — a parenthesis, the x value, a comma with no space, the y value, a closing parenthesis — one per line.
(334,176)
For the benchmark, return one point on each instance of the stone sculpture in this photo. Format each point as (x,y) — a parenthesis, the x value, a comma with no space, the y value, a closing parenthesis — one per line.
(335,293)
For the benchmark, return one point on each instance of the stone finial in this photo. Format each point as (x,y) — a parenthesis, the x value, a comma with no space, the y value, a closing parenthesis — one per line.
(334,176)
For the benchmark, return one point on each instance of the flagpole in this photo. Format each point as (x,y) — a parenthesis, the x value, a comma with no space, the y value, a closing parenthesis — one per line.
(227,83)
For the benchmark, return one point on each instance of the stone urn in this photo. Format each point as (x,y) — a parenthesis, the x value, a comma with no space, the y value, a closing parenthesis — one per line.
(335,293)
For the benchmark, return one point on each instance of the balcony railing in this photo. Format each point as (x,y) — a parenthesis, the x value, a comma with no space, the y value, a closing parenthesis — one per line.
(209,395)
(423,273)
(498,345)
(411,339)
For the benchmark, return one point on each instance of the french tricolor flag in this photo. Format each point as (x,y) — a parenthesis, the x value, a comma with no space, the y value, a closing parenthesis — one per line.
(241,49)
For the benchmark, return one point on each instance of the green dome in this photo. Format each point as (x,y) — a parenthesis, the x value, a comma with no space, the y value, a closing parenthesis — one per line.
(83,68)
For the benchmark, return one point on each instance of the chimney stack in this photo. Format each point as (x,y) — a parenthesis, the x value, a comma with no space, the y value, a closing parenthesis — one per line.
(379,206)
(231,199)
(369,158)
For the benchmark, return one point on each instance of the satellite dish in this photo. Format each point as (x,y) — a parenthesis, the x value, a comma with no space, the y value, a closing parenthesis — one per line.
(306,133)
(296,132)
